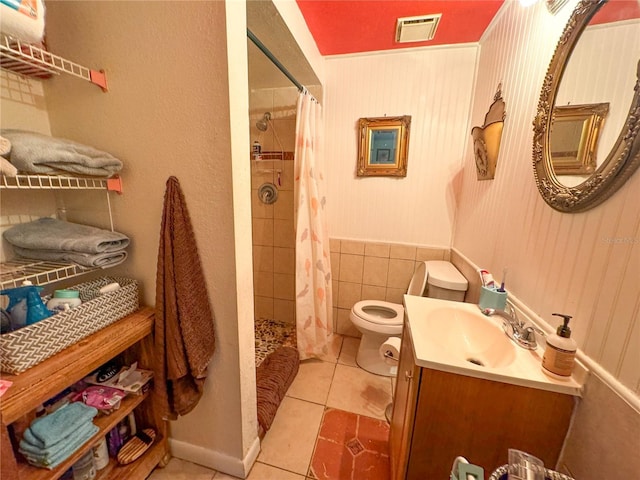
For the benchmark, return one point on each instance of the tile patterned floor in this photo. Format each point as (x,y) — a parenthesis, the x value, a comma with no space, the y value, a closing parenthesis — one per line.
(336,410)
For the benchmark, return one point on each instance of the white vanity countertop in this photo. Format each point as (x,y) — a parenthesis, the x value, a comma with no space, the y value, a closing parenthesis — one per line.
(444,338)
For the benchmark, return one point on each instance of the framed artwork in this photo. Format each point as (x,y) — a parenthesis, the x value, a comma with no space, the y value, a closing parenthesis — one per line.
(383,146)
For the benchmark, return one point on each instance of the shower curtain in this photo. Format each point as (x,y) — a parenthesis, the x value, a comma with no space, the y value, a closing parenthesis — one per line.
(314,323)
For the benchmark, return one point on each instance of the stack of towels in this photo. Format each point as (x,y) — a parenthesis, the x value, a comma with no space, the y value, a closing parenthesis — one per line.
(55,240)
(51,439)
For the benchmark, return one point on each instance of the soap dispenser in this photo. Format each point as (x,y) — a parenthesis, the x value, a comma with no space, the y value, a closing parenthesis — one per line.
(560,354)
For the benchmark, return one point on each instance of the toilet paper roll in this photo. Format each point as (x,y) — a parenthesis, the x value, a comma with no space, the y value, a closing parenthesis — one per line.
(390,350)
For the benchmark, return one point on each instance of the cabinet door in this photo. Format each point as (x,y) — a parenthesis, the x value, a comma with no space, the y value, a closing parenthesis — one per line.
(404,406)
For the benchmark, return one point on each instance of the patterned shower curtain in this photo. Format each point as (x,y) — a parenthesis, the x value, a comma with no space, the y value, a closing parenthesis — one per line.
(313,261)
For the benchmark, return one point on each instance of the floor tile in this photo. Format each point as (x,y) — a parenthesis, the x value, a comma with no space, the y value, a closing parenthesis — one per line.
(289,442)
(349,351)
(351,447)
(358,391)
(261,471)
(178,469)
(313,381)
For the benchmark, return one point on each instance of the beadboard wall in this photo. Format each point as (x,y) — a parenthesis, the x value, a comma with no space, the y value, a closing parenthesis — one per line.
(434,86)
(586,265)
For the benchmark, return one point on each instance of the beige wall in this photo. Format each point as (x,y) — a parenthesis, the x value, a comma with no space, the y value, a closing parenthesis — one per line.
(165,116)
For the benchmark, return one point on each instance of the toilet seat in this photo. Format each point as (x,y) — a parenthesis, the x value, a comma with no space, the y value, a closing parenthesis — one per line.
(379,312)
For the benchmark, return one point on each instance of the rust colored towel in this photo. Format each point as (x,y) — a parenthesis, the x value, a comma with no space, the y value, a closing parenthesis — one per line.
(184,334)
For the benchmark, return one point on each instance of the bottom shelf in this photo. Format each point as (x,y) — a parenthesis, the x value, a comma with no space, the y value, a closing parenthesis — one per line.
(138,470)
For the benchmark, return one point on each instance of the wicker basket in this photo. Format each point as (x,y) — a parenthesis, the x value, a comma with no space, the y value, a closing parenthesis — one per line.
(33,344)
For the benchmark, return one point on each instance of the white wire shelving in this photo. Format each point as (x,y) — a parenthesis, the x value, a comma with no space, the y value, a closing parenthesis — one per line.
(32,61)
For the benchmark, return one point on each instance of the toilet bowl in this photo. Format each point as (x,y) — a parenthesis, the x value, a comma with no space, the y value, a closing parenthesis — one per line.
(378,320)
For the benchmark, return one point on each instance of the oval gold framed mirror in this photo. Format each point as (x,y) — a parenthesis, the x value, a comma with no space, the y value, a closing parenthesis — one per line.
(618,153)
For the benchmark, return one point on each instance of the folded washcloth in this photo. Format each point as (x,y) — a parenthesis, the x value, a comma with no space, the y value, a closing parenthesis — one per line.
(48,430)
(74,443)
(103,260)
(51,234)
(85,430)
(36,153)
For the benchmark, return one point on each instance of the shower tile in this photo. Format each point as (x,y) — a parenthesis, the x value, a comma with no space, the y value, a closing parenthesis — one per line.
(352,247)
(262,231)
(349,351)
(283,286)
(283,208)
(426,254)
(377,250)
(351,268)
(284,260)
(258,178)
(178,469)
(263,307)
(371,292)
(287,176)
(404,252)
(375,271)
(358,391)
(334,245)
(258,208)
(284,310)
(349,294)
(313,381)
(400,272)
(263,258)
(292,436)
(263,284)
(283,234)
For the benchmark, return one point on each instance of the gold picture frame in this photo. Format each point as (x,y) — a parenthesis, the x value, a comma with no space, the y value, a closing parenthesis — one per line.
(574,136)
(383,146)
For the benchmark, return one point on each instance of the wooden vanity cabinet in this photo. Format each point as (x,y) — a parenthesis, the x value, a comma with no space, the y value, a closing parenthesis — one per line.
(131,337)
(438,416)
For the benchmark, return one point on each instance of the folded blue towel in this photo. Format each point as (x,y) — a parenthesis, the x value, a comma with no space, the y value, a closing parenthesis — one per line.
(52,428)
(74,443)
(38,452)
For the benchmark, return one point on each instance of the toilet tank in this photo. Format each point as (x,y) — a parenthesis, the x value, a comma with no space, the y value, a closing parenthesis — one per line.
(445,282)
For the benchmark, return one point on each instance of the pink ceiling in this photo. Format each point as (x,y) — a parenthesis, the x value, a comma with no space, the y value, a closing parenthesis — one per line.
(351,26)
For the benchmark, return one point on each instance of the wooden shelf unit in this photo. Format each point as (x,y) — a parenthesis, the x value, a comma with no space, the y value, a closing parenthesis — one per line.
(41,382)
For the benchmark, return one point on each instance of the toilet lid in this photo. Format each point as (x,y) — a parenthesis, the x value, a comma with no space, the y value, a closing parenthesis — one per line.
(379,312)
(418,281)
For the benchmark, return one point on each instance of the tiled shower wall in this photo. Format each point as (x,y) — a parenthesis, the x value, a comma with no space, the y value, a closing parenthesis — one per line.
(372,271)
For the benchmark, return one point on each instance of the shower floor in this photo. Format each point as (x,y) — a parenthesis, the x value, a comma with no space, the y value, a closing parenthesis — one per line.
(271,335)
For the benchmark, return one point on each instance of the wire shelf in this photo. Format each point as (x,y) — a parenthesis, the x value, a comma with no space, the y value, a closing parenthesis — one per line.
(14,272)
(32,61)
(52,182)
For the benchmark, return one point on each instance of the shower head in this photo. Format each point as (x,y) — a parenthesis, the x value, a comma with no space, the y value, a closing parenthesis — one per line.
(263,123)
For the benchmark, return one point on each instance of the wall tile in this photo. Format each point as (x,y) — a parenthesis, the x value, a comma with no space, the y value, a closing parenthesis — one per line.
(351,268)
(334,245)
(370,292)
(284,260)
(259,209)
(395,295)
(284,310)
(262,231)
(345,327)
(263,284)
(403,252)
(377,249)
(283,233)
(375,271)
(283,286)
(262,258)
(350,246)
(348,294)
(335,264)
(287,176)
(258,178)
(400,272)
(263,307)
(283,208)
(425,254)
(335,290)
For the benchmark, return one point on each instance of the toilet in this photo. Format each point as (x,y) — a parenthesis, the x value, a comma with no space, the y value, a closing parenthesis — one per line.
(377,320)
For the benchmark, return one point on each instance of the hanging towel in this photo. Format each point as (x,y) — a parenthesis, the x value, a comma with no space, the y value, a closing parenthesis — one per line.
(51,234)
(52,428)
(184,333)
(33,152)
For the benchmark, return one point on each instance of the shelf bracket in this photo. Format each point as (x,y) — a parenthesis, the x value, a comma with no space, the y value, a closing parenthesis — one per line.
(114,184)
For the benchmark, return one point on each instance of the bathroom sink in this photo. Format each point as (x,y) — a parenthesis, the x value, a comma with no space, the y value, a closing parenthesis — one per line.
(466,337)
(456,337)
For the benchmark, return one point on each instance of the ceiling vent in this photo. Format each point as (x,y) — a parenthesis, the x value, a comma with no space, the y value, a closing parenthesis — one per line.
(417,29)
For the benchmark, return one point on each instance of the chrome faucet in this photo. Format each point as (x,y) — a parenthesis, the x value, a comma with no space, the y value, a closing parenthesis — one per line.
(523,335)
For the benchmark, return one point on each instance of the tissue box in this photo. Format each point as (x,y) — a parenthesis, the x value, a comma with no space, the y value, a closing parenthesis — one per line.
(130,379)
(492,298)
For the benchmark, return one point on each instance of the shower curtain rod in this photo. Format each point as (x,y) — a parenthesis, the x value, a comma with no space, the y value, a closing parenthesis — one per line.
(274,60)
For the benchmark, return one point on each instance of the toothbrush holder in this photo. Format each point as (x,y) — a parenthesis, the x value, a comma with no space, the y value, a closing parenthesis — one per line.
(492,298)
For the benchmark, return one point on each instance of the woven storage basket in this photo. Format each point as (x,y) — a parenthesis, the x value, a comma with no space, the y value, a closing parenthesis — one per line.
(30,345)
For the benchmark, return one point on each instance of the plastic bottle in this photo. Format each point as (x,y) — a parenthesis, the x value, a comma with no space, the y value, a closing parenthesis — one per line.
(62,298)
(256,150)
(560,355)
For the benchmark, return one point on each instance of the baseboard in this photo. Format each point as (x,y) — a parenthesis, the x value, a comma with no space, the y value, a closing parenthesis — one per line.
(215,460)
